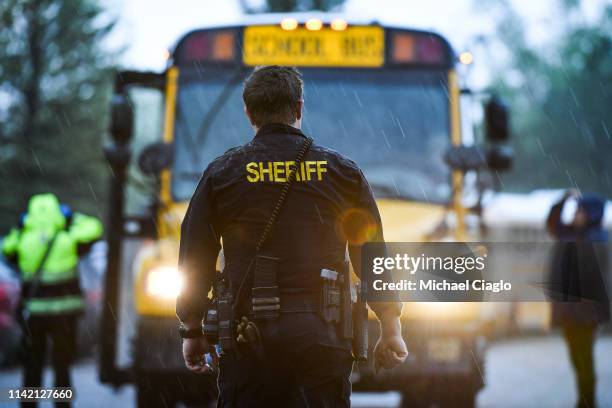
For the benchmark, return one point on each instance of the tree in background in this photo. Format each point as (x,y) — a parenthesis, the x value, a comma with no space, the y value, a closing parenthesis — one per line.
(54,92)
(279,6)
(561,101)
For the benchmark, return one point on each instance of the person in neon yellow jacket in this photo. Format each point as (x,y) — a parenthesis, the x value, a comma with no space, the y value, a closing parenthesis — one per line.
(46,247)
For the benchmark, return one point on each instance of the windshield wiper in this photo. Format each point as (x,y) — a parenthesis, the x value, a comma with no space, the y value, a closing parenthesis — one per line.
(214,110)
(207,121)
(188,140)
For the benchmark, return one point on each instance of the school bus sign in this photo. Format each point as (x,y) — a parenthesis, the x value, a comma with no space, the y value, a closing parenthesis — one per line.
(354,47)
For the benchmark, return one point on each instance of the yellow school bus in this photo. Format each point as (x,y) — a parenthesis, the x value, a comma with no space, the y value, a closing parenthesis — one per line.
(387,97)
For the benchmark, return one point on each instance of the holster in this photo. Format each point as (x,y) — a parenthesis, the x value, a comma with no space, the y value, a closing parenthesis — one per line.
(360,327)
(346,319)
(340,304)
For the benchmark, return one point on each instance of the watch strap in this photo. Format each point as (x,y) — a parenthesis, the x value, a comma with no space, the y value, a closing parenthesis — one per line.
(186,333)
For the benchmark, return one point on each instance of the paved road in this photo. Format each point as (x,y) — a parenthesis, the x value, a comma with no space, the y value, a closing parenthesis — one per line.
(528,372)
(536,372)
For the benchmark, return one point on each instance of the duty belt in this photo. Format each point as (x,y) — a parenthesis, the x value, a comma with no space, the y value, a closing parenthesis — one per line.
(298,302)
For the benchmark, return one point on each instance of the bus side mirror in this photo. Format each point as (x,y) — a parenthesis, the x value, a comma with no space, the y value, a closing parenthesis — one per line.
(122,119)
(156,157)
(497,125)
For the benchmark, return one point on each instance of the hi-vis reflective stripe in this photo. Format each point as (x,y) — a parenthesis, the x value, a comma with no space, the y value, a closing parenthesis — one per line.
(53,277)
(279,171)
(55,305)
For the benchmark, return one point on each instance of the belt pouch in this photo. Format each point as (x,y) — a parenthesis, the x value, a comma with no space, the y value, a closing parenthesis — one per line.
(265,294)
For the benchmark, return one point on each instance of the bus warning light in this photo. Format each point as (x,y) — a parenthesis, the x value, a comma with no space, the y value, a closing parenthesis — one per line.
(403,48)
(223,46)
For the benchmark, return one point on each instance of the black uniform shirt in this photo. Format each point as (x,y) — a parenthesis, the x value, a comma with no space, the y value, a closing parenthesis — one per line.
(329,203)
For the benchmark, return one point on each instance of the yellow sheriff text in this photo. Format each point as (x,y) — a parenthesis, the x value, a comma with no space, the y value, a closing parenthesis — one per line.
(279,171)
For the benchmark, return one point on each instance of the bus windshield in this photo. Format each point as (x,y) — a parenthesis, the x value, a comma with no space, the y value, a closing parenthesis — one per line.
(394,124)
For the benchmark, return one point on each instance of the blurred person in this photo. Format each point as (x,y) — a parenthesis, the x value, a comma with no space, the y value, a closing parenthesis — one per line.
(45,247)
(578,275)
(288,352)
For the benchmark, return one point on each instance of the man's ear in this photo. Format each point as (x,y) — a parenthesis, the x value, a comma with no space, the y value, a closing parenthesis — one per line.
(298,113)
(246,112)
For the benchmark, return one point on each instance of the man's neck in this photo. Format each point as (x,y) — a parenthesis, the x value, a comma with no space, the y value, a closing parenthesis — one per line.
(297,124)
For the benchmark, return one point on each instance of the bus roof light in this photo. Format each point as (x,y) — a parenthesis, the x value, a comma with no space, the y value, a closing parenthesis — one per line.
(417,48)
(403,48)
(429,49)
(289,24)
(223,46)
(218,46)
(314,24)
(339,25)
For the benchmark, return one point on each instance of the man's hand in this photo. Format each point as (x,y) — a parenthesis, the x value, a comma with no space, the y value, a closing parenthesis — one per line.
(390,349)
(194,353)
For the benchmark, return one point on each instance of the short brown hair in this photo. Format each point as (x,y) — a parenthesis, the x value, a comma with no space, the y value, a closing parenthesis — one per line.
(271,94)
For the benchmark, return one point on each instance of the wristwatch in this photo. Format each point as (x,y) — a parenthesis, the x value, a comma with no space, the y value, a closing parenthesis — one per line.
(186,333)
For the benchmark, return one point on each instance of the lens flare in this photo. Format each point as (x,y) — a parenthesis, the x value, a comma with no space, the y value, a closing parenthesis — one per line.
(357,226)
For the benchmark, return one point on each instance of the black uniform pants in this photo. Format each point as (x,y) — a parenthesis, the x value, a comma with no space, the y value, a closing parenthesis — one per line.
(580,339)
(297,369)
(60,331)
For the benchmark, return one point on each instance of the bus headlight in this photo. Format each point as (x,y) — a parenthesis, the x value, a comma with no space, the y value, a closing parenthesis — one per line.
(164,282)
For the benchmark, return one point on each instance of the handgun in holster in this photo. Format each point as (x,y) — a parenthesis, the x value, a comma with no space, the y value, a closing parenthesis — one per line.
(360,325)
(339,303)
